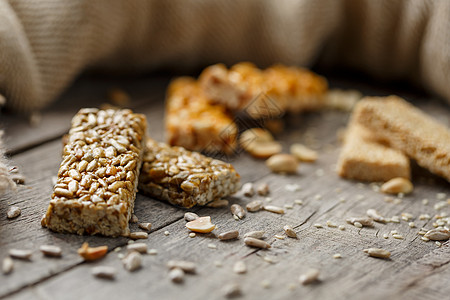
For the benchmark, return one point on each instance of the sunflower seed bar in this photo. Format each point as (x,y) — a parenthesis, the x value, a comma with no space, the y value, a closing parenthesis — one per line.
(196,124)
(409,130)
(263,93)
(185,178)
(364,158)
(97,179)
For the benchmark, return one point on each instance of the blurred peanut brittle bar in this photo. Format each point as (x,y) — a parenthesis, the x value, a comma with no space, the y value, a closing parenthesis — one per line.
(409,130)
(98,176)
(194,123)
(185,178)
(264,93)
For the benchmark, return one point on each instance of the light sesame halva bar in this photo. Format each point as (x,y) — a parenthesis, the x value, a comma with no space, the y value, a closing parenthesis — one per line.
(264,93)
(409,130)
(185,178)
(98,176)
(365,158)
(194,123)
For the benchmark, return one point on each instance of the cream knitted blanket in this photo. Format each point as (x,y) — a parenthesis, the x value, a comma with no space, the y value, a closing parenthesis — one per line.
(45,44)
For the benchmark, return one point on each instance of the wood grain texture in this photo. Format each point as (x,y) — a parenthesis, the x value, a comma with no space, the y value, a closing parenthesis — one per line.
(416,270)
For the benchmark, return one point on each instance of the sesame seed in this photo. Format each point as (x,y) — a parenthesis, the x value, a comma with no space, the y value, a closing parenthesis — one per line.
(298,201)
(317,225)
(337,255)
(425,201)
(385,236)
(152,252)
(212,246)
(166,232)
(357,224)
(280,237)
(341,227)
(398,236)
(192,234)
(412,225)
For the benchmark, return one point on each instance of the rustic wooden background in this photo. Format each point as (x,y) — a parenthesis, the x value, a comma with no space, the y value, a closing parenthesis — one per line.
(416,269)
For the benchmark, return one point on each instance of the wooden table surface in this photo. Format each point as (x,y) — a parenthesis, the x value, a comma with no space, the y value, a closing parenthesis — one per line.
(416,269)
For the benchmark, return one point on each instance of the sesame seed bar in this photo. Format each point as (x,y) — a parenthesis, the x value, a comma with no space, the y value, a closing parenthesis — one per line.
(365,158)
(409,130)
(185,178)
(196,124)
(98,175)
(264,93)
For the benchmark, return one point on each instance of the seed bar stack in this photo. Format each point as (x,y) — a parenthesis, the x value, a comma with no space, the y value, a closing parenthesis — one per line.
(409,130)
(196,124)
(97,179)
(185,178)
(264,93)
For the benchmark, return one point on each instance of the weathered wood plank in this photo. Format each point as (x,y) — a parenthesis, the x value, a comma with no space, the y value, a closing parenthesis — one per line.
(413,272)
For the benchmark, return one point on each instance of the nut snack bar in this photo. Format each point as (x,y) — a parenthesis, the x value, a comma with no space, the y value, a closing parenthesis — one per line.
(365,158)
(98,176)
(261,92)
(409,130)
(185,178)
(194,123)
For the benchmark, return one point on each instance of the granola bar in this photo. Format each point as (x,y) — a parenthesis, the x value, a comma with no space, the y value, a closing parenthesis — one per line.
(365,158)
(97,179)
(185,178)
(409,130)
(263,93)
(196,124)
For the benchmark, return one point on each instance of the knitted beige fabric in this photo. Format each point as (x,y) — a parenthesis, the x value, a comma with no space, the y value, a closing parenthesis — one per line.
(45,44)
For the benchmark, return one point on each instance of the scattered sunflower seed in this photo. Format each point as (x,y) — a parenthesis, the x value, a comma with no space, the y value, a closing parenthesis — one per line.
(237,211)
(303,153)
(106,272)
(13,212)
(190,216)
(310,276)
(232,290)
(363,221)
(254,206)
(255,234)
(358,225)
(397,185)
(262,189)
(247,189)
(152,252)
(176,275)
(290,232)
(252,242)
(139,247)
(331,224)
(20,253)
(145,226)
(132,261)
(377,252)
(233,234)
(282,163)
(292,187)
(438,234)
(274,209)
(240,267)
(51,250)
(186,266)
(288,206)
(7,265)
(138,235)
(265,284)
(372,213)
